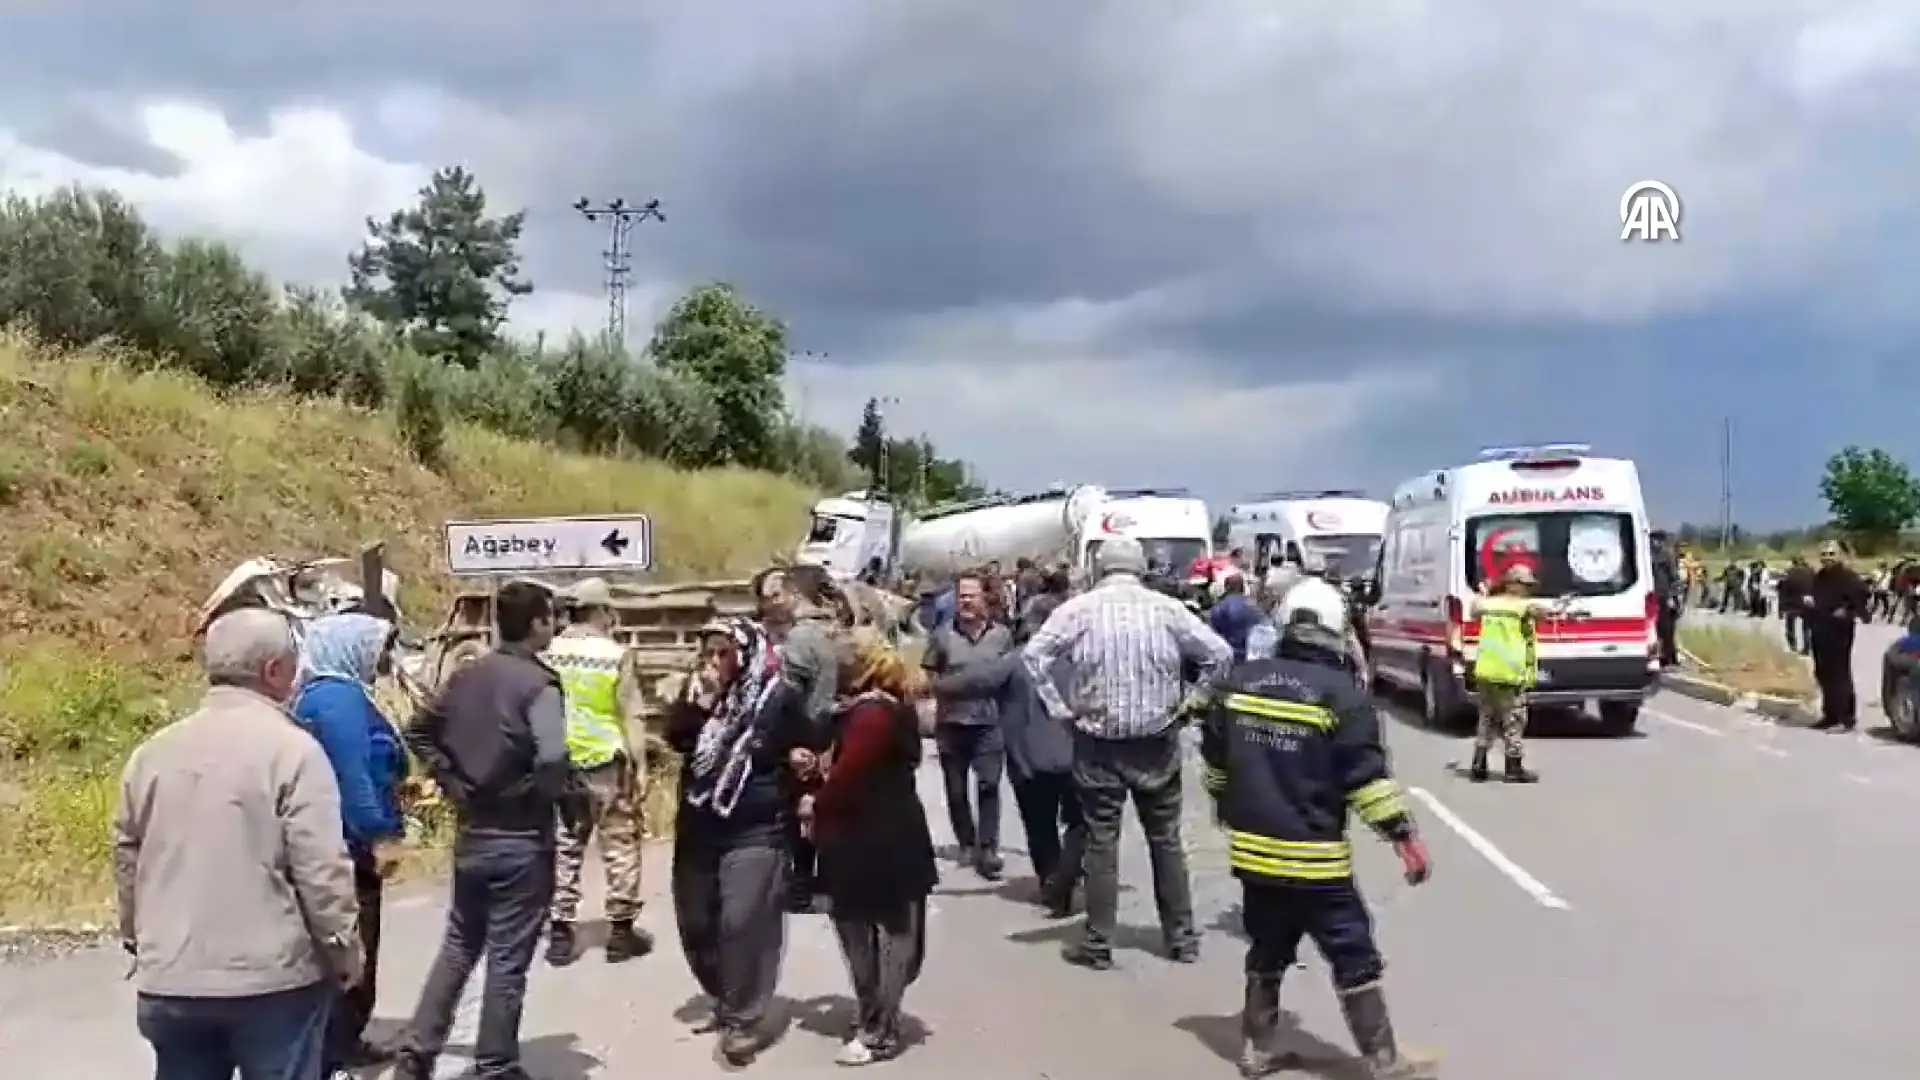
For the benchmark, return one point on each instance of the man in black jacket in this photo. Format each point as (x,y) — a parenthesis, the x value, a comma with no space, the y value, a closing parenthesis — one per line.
(495,741)
(1835,603)
(1796,585)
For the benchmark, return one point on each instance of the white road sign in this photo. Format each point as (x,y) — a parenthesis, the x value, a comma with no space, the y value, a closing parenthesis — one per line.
(531,545)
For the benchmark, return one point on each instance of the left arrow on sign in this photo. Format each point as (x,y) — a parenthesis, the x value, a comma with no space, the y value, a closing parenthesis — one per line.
(614,543)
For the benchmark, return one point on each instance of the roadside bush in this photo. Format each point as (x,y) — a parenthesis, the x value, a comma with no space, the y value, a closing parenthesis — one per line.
(81,268)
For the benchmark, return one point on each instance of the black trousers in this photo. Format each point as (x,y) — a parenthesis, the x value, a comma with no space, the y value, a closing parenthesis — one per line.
(1667,627)
(801,883)
(1056,830)
(1277,916)
(1833,670)
(730,905)
(977,751)
(502,886)
(347,1024)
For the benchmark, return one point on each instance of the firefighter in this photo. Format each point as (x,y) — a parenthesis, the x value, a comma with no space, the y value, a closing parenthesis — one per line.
(1291,745)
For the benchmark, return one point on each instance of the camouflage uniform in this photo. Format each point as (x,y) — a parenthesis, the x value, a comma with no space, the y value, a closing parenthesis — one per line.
(1503,715)
(617,790)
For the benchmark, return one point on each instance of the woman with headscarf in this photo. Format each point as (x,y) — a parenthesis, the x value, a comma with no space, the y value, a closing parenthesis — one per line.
(730,856)
(876,852)
(341,656)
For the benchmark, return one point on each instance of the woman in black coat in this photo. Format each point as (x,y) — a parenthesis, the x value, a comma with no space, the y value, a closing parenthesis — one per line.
(875,851)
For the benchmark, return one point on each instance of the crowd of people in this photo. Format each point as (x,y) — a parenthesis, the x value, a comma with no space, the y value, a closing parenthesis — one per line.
(255,836)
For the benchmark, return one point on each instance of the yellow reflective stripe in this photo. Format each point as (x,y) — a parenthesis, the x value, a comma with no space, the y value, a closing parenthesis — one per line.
(1288,849)
(1291,868)
(1213,779)
(1291,712)
(1377,802)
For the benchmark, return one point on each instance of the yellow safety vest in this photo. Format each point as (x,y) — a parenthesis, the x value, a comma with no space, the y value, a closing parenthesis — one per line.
(589,667)
(1506,656)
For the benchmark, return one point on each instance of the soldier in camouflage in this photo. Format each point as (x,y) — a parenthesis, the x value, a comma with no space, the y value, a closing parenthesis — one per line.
(602,693)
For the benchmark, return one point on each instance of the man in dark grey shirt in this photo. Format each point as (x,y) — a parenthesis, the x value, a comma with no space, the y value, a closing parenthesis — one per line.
(967,727)
(495,741)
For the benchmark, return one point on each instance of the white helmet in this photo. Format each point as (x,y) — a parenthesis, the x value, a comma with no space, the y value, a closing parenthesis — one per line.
(1318,598)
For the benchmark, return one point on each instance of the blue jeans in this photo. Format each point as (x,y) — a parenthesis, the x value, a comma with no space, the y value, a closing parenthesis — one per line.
(502,888)
(265,1037)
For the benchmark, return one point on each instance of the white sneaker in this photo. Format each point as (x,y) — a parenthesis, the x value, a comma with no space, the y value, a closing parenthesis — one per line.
(854,1052)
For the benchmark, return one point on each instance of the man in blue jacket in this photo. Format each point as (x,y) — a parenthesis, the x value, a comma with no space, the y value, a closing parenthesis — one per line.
(1234,617)
(340,658)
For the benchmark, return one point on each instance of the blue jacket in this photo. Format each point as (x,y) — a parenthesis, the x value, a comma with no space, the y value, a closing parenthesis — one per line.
(1233,618)
(368,760)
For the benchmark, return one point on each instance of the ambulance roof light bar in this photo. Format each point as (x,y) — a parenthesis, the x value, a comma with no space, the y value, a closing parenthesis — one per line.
(1537,452)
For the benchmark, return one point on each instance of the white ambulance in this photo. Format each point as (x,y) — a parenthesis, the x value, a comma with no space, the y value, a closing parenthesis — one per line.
(1578,521)
(1342,527)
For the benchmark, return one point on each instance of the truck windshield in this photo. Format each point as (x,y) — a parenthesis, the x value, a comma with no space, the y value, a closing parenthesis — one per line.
(1571,553)
(1347,555)
(1172,556)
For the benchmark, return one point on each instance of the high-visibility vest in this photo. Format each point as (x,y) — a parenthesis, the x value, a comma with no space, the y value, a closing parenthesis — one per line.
(1506,656)
(589,667)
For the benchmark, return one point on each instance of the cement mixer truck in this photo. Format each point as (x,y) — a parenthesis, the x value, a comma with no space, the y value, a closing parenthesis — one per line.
(1063,525)
(1046,527)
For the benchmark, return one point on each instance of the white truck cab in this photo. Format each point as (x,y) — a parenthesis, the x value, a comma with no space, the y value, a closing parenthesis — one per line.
(851,535)
(1578,521)
(1169,523)
(1343,527)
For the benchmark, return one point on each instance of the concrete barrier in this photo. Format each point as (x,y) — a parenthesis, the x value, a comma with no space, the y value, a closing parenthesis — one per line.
(1700,688)
(1782,710)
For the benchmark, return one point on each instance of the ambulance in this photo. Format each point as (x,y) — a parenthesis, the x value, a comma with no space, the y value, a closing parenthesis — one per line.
(1342,527)
(1579,522)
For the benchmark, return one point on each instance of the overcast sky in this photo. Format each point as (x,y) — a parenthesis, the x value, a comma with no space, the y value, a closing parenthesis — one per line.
(1230,244)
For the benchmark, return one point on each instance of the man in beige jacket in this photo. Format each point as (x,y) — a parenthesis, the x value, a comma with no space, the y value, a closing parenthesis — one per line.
(235,890)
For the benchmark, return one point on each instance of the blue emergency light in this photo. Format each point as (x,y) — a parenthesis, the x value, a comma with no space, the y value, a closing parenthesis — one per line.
(1533,453)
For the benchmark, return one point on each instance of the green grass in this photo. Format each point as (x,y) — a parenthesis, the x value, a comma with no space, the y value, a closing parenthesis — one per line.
(129,495)
(1749,660)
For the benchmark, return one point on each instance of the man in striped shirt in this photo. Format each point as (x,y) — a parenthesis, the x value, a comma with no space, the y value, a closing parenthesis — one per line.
(1125,652)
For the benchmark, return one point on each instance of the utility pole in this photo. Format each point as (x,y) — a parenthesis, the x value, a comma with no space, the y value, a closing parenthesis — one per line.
(886,440)
(618,262)
(1726,482)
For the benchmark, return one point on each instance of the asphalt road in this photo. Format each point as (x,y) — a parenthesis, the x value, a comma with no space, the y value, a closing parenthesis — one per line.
(1870,644)
(1717,897)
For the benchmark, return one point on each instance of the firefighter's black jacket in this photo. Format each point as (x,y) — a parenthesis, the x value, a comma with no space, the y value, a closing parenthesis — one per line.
(1290,746)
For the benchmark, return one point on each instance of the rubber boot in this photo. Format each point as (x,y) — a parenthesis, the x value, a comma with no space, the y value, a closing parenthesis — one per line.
(624,941)
(1477,772)
(1260,1028)
(560,944)
(1517,772)
(1366,1012)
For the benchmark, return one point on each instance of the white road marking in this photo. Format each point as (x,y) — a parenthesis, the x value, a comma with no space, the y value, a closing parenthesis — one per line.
(1864,781)
(1770,750)
(1529,884)
(1690,725)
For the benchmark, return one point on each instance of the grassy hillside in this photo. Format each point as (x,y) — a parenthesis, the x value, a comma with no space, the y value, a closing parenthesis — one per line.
(127,496)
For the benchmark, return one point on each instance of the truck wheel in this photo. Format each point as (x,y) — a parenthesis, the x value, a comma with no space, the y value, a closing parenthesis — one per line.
(1619,718)
(1437,713)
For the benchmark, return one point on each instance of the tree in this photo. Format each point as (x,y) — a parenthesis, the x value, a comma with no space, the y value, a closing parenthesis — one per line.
(869,450)
(1871,494)
(712,335)
(442,272)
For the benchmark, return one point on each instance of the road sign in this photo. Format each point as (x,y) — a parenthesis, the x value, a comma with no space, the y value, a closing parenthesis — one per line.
(534,545)
(1648,211)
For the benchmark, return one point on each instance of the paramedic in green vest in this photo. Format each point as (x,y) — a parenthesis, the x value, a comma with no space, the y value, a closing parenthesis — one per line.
(1504,669)
(602,692)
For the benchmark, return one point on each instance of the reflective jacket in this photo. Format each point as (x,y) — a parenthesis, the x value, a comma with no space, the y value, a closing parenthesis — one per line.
(1291,746)
(589,666)
(1508,653)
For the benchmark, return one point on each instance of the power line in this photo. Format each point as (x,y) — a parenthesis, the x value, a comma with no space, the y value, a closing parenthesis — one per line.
(617,258)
